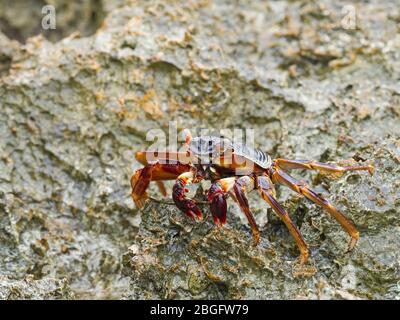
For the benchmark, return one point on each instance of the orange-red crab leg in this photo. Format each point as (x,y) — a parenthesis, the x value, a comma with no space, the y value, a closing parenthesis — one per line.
(267,191)
(153,172)
(187,206)
(216,197)
(286,164)
(242,185)
(163,157)
(302,188)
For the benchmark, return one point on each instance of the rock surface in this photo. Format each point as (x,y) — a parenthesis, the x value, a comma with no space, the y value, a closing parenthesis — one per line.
(31,289)
(73,111)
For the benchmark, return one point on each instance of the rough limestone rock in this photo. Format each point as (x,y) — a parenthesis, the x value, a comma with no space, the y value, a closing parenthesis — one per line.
(75,106)
(29,288)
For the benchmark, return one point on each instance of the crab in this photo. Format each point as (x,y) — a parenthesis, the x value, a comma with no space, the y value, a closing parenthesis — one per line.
(234,169)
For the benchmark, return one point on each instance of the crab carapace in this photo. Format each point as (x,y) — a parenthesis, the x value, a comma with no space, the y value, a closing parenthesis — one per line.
(234,169)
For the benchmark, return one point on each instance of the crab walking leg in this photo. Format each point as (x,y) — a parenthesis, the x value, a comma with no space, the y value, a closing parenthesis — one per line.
(286,164)
(241,186)
(302,188)
(187,206)
(236,187)
(153,172)
(161,187)
(267,191)
(162,157)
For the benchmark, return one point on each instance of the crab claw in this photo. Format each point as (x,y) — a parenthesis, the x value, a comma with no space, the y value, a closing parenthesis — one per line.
(218,204)
(187,206)
(190,208)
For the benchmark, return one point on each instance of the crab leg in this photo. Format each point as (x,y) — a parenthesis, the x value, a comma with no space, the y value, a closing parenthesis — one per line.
(149,158)
(216,197)
(286,164)
(302,188)
(267,191)
(163,157)
(242,185)
(153,172)
(187,206)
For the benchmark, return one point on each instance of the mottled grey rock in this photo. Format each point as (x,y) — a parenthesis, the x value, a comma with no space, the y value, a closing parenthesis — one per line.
(29,288)
(73,112)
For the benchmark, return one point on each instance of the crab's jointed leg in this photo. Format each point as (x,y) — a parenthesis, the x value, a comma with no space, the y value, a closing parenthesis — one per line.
(153,172)
(187,206)
(241,186)
(163,157)
(286,164)
(267,191)
(237,188)
(161,187)
(302,188)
